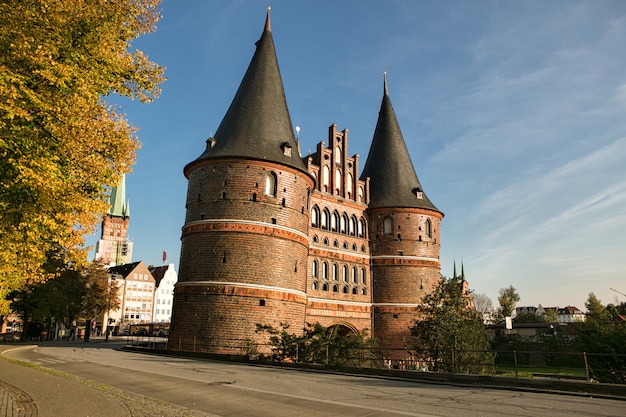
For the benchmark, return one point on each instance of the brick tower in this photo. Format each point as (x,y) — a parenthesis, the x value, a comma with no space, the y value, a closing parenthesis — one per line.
(245,239)
(403,233)
(113,247)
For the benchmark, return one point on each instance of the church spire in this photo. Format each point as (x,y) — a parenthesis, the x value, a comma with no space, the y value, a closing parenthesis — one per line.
(393,182)
(268,26)
(257,124)
(119,205)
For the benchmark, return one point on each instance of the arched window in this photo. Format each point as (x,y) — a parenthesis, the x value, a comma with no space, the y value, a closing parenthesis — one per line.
(363,276)
(344,275)
(354,290)
(315,285)
(325,219)
(353,225)
(315,216)
(335,272)
(359,197)
(325,287)
(337,181)
(315,268)
(345,289)
(271,181)
(344,221)
(362,227)
(325,178)
(325,270)
(353,277)
(349,185)
(334,221)
(388,226)
(429,228)
(335,288)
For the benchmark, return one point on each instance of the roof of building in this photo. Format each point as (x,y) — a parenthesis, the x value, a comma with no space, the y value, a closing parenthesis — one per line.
(257,124)
(393,181)
(124,270)
(569,310)
(158,272)
(119,206)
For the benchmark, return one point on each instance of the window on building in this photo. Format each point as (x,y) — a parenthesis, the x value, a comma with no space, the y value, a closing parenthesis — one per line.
(325,178)
(388,225)
(362,227)
(334,220)
(344,274)
(429,228)
(325,219)
(325,270)
(271,184)
(335,272)
(314,268)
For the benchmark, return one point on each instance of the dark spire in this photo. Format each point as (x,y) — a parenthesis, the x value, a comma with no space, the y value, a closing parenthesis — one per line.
(257,124)
(268,26)
(393,182)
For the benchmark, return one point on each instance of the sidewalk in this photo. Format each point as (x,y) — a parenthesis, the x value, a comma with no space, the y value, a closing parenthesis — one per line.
(33,392)
(28,392)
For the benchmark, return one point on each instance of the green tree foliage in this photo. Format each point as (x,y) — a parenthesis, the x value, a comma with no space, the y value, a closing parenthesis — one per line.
(78,292)
(61,145)
(449,333)
(601,336)
(508,298)
(319,344)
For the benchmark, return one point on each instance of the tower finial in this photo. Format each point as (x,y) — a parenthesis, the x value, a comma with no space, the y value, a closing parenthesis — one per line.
(268,27)
(385,91)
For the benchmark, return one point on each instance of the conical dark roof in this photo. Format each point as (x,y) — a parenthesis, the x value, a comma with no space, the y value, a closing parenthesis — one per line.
(257,124)
(393,182)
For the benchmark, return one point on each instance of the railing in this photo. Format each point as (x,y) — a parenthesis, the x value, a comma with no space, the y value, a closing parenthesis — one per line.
(583,366)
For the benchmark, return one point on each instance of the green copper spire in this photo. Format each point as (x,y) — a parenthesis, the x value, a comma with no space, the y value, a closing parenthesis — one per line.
(119,205)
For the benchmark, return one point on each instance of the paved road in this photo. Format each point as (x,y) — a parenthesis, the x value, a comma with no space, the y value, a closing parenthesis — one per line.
(228,389)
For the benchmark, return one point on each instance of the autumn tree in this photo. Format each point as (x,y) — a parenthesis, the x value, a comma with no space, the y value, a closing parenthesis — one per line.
(78,292)
(100,295)
(62,146)
(508,298)
(449,333)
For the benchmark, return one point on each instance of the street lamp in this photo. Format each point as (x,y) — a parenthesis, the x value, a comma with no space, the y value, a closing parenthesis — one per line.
(110,295)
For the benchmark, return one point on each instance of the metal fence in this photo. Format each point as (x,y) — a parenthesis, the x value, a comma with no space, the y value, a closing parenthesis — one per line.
(583,366)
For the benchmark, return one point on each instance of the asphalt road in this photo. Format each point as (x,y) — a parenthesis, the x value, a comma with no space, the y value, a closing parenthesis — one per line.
(230,389)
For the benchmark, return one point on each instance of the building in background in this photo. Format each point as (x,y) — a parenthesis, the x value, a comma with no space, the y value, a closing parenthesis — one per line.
(114,248)
(165,278)
(136,295)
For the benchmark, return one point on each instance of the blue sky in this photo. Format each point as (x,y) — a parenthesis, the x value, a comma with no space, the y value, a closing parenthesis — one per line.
(514,113)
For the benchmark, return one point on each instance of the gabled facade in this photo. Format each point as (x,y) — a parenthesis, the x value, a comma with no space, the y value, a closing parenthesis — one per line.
(165,278)
(136,292)
(271,238)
